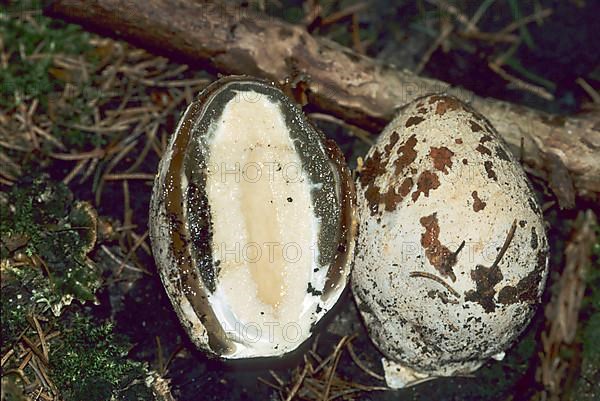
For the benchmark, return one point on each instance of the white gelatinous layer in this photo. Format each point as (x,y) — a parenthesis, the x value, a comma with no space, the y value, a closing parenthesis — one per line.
(264,227)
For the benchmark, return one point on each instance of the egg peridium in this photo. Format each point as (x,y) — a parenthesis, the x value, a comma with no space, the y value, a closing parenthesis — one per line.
(252,221)
(451,256)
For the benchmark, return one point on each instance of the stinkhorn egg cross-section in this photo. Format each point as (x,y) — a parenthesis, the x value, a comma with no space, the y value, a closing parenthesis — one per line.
(251,220)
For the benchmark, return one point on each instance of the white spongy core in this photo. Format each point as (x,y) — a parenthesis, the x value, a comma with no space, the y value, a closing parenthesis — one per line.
(264,228)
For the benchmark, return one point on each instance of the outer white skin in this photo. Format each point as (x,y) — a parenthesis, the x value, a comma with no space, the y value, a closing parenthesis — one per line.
(421,335)
(160,234)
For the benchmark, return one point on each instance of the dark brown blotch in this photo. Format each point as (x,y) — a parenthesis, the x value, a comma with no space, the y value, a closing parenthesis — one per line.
(532,203)
(438,255)
(393,141)
(483,150)
(501,154)
(406,186)
(414,120)
(485,279)
(490,171)
(406,154)
(373,198)
(534,239)
(442,158)
(391,199)
(527,289)
(427,181)
(474,126)
(373,167)
(478,204)
(444,104)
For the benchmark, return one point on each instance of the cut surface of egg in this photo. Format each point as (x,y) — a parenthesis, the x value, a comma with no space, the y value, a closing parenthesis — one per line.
(252,221)
(451,256)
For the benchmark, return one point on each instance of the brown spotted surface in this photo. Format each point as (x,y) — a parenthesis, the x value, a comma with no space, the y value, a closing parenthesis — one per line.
(437,195)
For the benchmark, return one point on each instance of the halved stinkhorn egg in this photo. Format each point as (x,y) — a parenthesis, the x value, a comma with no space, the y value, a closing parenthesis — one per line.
(251,220)
(451,256)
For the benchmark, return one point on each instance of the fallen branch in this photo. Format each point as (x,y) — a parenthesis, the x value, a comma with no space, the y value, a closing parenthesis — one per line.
(565,151)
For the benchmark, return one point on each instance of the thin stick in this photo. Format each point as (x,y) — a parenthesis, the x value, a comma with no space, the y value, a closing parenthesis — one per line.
(130,253)
(356,43)
(119,261)
(35,349)
(589,90)
(268,383)
(277,378)
(40,332)
(298,383)
(128,176)
(78,167)
(360,133)
(449,8)
(335,17)
(445,32)
(172,357)
(519,83)
(509,237)
(360,364)
(526,20)
(78,156)
(159,351)
(338,353)
(436,279)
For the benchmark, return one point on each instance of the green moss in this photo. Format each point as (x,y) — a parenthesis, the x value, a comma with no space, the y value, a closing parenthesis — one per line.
(13,311)
(12,388)
(28,77)
(91,364)
(41,219)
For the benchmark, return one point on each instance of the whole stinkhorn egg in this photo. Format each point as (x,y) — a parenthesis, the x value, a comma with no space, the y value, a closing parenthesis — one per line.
(451,256)
(252,221)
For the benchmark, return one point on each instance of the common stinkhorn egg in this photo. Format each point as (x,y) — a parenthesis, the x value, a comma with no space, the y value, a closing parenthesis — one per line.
(451,255)
(251,220)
